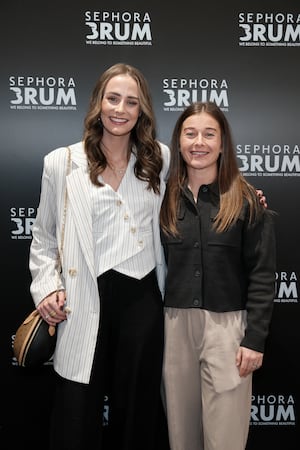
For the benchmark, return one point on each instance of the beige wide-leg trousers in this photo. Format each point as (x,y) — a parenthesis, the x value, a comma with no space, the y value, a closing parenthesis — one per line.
(208,404)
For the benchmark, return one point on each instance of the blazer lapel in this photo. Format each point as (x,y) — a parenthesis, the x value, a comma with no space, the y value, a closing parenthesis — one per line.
(78,186)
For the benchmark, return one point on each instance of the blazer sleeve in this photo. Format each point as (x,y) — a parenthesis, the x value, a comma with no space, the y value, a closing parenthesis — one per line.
(260,263)
(43,255)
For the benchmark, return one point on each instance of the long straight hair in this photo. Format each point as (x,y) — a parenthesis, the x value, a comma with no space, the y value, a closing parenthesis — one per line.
(233,187)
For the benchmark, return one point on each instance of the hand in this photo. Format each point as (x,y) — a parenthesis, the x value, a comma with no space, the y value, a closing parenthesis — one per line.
(262,198)
(52,308)
(248,360)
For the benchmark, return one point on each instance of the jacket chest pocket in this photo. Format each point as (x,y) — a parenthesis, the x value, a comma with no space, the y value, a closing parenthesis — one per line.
(232,237)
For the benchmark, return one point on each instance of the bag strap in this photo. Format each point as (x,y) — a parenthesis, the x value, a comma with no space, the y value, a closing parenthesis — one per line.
(60,251)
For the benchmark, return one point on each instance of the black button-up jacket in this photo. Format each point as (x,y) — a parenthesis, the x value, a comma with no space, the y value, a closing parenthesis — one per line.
(229,271)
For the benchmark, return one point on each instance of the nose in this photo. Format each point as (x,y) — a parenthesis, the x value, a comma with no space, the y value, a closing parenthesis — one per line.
(199,138)
(120,106)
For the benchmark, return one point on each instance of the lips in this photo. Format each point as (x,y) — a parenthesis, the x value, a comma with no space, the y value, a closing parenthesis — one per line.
(195,153)
(118,120)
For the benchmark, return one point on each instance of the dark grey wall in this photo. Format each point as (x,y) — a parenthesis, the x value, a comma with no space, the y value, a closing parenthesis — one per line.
(245,56)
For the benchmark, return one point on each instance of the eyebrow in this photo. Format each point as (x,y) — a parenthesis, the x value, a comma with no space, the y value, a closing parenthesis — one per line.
(194,128)
(119,95)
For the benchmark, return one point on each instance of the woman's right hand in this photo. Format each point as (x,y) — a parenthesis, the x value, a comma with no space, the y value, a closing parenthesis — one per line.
(52,309)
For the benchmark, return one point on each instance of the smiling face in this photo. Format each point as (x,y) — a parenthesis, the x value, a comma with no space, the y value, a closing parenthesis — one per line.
(201,144)
(120,106)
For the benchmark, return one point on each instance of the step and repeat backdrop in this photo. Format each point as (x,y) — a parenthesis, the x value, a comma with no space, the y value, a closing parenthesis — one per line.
(245,56)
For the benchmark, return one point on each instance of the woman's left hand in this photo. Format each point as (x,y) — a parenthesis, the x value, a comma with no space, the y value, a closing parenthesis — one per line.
(248,360)
(262,198)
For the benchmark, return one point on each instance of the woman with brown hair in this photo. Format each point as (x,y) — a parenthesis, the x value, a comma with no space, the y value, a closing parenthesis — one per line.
(110,343)
(219,246)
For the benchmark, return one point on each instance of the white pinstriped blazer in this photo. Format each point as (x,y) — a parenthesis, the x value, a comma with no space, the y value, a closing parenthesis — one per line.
(77,335)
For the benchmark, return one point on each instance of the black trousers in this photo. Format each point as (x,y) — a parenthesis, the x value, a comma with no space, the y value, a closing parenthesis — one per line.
(126,376)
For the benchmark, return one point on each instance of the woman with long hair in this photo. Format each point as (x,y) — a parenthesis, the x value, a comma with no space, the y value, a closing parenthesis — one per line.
(109,310)
(219,244)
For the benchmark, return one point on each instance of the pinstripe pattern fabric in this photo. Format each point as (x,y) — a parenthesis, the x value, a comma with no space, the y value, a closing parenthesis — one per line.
(123,226)
(77,335)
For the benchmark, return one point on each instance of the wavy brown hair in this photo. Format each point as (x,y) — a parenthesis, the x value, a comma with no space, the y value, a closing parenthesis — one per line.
(143,136)
(233,187)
